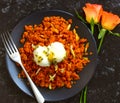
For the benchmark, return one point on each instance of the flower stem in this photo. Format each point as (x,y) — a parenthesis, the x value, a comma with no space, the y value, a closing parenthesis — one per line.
(92,25)
(101,37)
(83,96)
(79,17)
(92,29)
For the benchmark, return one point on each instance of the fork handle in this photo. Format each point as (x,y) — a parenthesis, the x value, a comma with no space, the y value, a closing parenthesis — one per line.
(38,95)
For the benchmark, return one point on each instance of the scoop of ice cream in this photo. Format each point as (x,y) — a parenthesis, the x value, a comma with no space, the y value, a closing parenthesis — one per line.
(40,56)
(57,52)
(51,54)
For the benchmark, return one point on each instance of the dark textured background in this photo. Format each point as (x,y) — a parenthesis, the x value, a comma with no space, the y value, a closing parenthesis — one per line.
(105,84)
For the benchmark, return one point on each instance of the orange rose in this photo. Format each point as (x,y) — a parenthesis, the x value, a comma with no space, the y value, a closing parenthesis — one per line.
(109,21)
(93,11)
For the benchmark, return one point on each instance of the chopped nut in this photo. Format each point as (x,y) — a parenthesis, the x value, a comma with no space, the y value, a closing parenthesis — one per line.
(72,51)
(86,47)
(52,77)
(68,27)
(77,36)
(50,86)
(38,71)
(56,67)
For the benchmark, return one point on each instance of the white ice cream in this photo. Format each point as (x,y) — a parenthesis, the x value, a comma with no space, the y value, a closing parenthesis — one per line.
(40,56)
(45,56)
(58,50)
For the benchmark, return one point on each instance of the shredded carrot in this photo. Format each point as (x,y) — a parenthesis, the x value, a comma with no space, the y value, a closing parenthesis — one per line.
(52,29)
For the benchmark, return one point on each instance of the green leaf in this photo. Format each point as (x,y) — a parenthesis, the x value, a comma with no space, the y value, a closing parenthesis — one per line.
(101,33)
(115,34)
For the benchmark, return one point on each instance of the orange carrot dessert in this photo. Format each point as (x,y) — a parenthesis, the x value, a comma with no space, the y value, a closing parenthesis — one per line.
(64,62)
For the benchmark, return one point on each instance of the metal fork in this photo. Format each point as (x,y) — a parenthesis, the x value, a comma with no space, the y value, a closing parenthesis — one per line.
(15,56)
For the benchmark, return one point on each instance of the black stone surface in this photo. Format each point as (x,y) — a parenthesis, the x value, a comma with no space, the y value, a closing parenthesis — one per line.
(105,84)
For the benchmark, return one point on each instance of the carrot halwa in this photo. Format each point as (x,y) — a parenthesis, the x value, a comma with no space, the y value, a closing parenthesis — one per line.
(54,29)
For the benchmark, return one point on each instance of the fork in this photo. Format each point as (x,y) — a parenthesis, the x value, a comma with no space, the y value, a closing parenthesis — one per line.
(15,56)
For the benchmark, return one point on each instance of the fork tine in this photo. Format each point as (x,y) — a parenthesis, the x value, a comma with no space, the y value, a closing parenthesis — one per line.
(12,42)
(5,43)
(8,43)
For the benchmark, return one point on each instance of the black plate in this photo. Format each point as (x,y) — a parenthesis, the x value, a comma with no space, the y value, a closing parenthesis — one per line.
(86,74)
